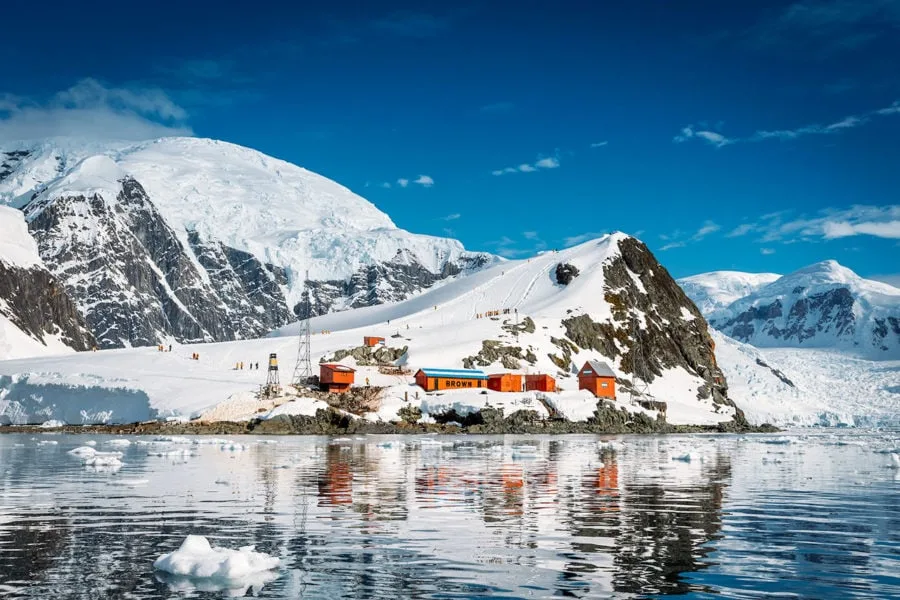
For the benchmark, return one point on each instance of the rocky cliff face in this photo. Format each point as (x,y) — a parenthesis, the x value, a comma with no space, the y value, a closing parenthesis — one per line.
(38,305)
(134,281)
(654,326)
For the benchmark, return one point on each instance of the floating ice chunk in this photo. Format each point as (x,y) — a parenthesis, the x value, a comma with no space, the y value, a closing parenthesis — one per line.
(82,451)
(778,440)
(197,559)
(47,443)
(102,460)
(895,460)
(120,443)
(129,482)
(90,443)
(209,441)
(173,439)
(53,423)
(267,442)
(232,447)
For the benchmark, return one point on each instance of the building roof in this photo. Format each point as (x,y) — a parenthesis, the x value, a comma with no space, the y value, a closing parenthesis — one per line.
(600,368)
(338,367)
(504,375)
(455,373)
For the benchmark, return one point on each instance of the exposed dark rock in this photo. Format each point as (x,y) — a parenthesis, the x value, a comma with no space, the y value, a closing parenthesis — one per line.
(780,375)
(366,356)
(34,301)
(526,325)
(380,283)
(493,351)
(567,348)
(565,273)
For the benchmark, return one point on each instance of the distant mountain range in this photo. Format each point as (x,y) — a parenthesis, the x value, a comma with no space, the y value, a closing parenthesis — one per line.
(824,305)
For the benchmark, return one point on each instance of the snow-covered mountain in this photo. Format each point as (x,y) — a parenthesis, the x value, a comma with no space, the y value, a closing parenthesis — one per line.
(201,240)
(824,305)
(36,315)
(618,305)
(718,289)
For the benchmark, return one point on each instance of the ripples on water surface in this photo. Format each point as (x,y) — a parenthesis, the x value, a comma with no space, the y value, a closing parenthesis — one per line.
(462,517)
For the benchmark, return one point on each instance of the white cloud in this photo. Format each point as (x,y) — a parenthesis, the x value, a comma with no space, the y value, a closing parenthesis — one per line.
(92,110)
(424,180)
(827,224)
(581,238)
(889,278)
(766,251)
(849,122)
(547,162)
(707,228)
(386,185)
(451,217)
(711,137)
(530,235)
(839,229)
(599,144)
(673,245)
(741,230)
(403,182)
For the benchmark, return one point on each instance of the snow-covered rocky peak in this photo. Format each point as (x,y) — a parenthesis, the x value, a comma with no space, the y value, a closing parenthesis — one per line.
(824,305)
(36,316)
(717,289)
(217,236)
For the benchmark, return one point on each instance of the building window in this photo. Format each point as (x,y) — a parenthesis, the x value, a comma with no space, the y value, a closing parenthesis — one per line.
(604,384)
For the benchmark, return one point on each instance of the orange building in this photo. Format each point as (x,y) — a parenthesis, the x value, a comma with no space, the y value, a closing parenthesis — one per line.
(505,382)
(597,377)
(372,341)
(335,377)
(450,379)
(540,383)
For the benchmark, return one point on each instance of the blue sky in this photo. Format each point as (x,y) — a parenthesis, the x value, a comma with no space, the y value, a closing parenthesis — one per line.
(760,137)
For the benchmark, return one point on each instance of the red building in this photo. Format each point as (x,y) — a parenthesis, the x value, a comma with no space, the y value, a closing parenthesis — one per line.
(334,377)
(540,383)
(505,382)
(372,341)
(597,377)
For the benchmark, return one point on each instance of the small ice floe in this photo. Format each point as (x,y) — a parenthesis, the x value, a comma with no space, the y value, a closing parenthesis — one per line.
(778,440)
(90,443)
(232,447)
(102,459)
(429,443)
(48,443)
(82,451)
(198,565)
(610,445)
(390,445)
(173,439)
(128,482)
(118,443)
(267,442)
(203,441)
(895,460)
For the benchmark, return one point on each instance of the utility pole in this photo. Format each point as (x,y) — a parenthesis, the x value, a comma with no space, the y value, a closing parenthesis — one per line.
(637,363)
(303,369)
(273,383)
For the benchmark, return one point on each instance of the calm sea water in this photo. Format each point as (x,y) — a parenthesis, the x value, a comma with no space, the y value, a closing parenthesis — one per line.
(798,516)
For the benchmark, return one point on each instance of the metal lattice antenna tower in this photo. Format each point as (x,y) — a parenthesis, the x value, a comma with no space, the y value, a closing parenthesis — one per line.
(638,372)
(303,369)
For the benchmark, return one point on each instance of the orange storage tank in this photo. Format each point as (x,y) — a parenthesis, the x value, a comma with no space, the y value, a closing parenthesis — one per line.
(505,382)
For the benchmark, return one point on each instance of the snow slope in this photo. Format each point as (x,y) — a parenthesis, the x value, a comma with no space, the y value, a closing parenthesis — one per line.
(799,387)
(718,289)
(440,328)
(824,305)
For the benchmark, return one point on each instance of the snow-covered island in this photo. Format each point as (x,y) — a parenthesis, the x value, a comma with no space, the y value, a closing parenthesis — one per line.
(146,283)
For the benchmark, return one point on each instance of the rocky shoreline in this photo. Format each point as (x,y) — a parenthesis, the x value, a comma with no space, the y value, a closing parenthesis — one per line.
(606,420)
